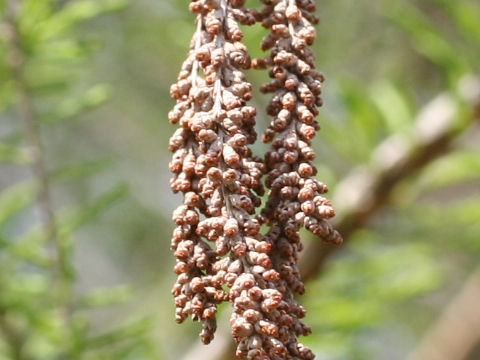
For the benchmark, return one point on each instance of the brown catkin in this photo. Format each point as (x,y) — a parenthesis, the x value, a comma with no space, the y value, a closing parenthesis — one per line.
(296,198)
(220,253)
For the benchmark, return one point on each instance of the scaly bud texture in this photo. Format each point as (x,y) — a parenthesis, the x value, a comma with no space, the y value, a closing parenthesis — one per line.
(220,254)
(296,199)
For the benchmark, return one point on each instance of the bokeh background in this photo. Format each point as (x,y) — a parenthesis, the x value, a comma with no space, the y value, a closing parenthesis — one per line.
(402,84)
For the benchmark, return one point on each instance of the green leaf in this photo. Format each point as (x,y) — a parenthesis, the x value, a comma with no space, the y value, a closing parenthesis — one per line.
(15,199)
(466,14)
(72,107)
(454,168)
(428,39)
(75,12)
(133,330)
(47,78)
(34,13)
(393,106)
(15,155)
(67,221)
(362,128)
(109,296)
(407,271)
(445,221)
(82,170)
(33,252)
(64,50)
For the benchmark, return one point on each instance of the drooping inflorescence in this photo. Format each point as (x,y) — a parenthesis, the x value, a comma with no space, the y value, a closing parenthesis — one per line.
(221,254)
(213,166)
(296,198)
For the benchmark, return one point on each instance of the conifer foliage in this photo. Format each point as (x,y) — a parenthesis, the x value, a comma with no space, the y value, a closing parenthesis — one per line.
(41,314)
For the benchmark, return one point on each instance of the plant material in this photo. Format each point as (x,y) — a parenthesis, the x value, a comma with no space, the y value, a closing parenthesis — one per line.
(296,198)
(213,165)
(220,179)
(41,316)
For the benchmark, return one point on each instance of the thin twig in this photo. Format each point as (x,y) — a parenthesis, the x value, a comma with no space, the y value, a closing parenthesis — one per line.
(365,191)
(26,109)
(28,115)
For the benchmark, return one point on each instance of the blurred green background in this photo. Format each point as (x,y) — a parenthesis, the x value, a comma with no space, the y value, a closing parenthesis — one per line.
(98,73)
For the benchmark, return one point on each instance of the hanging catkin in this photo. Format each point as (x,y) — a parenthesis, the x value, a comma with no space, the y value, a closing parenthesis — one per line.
(221,255)
(296,198)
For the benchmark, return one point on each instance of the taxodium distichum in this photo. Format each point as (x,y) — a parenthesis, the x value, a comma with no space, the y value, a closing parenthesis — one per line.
(221,255)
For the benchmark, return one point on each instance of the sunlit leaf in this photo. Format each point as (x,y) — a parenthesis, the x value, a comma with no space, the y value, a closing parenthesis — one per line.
(393,107)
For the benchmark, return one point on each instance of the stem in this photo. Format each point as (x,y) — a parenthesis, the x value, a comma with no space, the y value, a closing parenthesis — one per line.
(14,338)
(217,91)
(29,118)
(198,43)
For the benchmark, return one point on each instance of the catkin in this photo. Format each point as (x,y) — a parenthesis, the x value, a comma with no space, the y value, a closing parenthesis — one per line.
(296,199)
(220,253)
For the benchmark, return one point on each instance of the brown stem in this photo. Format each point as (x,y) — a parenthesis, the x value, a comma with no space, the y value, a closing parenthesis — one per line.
(365,191)
(13,337)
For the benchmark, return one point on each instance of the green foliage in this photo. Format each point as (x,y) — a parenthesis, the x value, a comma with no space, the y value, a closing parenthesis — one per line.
(40,316)
(98,79)
(15,199)
(459,166)
(14,154)
(72,107)
(348,307)
(447,45)
(384,283)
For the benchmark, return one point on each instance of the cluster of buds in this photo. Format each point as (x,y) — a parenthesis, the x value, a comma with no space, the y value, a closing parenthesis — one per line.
(214,167)
(220,253)
(296,199)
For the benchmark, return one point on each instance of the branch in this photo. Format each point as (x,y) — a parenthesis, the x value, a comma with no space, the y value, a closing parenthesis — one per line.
(27,112)
(361,195)
(14,338)
(367,189)
(26,109)
(457,331)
